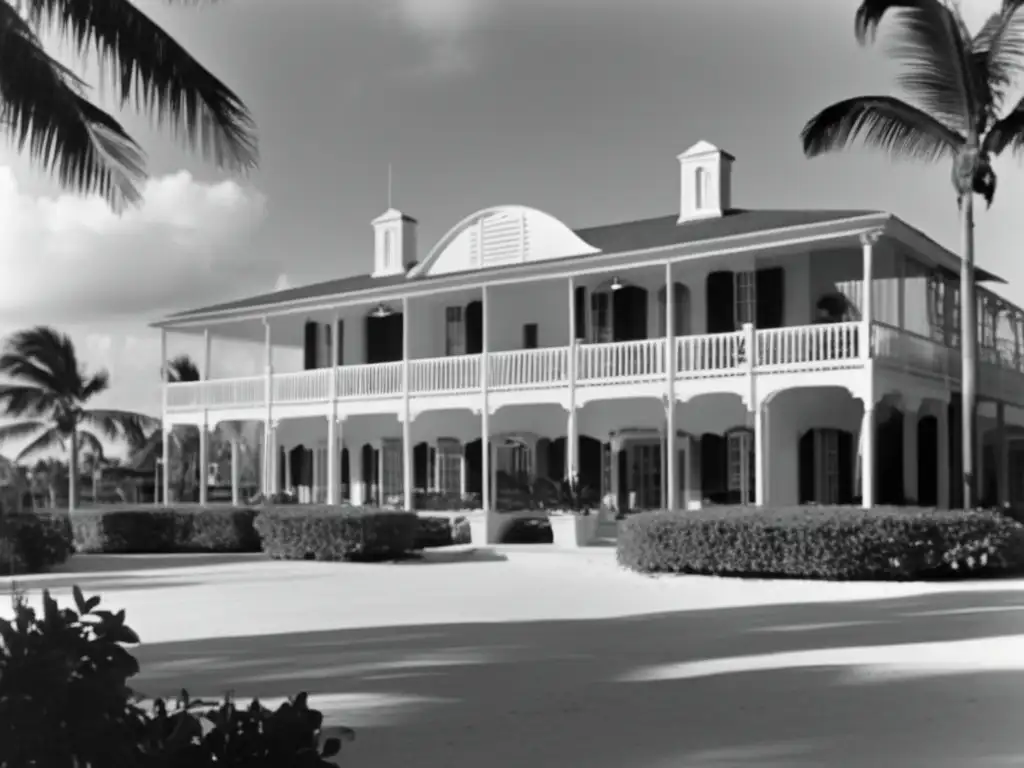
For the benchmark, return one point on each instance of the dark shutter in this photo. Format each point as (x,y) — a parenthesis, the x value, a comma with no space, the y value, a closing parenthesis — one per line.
(623,461)
(340,331)
(282,479)
(346,478)
(580,308)
(846,459)
(721,313)
(310,345)
(420,466)
(530,336)
(714,457)
(770,297)
(639,314)
(395,331)
(474,320)
(368,470)
(308,458)
(806,467)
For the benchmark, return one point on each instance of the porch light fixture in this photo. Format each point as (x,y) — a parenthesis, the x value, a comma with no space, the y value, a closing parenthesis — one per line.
(616,284)
(382,310)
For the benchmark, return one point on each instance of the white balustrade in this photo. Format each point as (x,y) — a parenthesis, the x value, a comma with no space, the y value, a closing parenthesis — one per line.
(527,368)
(621,360)
(369,381)
(710,354)
(460,373)
(778,350)
(814,346)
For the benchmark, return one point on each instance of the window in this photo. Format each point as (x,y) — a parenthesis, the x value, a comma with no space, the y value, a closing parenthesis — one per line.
(826,466)
(393,478)
(601,313)
(745,303)
(741,464)
(455,331)
(937,306)
(700,192)
(449,467)
(389,249)
(680,310)
(530,336)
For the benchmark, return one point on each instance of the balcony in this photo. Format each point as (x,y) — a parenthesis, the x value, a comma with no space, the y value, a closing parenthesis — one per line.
(781,350)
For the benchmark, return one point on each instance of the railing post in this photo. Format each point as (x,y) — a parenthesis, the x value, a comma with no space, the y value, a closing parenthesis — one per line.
(485,411)
(268,426)
(571,432)
(165,443)
(406,412)
(670,394)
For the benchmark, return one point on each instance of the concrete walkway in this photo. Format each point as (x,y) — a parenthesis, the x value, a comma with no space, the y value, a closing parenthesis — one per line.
(516,656)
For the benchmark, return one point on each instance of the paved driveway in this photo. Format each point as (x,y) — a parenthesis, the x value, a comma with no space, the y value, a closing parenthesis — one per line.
(528,657)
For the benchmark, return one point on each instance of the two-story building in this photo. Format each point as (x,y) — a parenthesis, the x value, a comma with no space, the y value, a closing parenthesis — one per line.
(715,354)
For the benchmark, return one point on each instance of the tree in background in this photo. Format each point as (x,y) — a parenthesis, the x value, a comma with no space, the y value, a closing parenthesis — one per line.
(958,82)
(45,108)
(48,392)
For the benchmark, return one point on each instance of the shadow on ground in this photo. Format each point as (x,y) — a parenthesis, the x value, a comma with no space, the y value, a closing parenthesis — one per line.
(602,693)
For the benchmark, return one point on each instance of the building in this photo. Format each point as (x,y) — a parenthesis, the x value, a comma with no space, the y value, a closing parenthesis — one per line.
(788,381)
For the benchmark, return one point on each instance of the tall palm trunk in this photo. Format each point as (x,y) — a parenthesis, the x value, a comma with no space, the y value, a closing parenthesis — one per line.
(73,472)
(969,350)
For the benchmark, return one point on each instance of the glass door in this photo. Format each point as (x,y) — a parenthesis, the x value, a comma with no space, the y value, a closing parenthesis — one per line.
(645,475)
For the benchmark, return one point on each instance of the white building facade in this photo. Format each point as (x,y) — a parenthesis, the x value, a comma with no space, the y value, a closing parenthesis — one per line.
(716,355)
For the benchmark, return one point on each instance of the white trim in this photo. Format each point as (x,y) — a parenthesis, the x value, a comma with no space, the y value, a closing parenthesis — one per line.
(538,271)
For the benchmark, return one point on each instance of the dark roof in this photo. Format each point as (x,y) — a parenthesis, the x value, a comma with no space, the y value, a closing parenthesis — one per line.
(609,239)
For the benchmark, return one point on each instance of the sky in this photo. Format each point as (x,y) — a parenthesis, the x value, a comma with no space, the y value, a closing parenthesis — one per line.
(575,107)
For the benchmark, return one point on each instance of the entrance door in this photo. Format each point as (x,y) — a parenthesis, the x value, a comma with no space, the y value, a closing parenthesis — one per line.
(644,465)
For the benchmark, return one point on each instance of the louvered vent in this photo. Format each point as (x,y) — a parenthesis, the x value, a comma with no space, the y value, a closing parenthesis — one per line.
(474,247)
(504,239)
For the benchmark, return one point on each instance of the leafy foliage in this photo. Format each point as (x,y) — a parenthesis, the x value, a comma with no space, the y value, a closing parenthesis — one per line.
(141,530)
(321,532)
(65,701)
(45,109)
(837,543)
(33,542)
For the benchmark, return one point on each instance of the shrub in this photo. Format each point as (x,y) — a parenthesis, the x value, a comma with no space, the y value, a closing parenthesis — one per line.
(441,531)
(65,701)
(321,532)
(31,542)
(840,543)
(151,530)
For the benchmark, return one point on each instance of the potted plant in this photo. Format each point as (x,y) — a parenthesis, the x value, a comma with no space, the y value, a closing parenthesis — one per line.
(573,517)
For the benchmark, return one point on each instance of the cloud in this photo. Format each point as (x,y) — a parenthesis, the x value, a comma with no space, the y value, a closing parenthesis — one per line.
(70,258)
(444,26)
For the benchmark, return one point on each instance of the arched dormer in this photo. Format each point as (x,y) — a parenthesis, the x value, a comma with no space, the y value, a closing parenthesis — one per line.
(499,236)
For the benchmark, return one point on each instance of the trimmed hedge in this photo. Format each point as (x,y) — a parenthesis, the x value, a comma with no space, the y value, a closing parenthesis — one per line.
(321,532)
(160,530)
(836,543)
(31,542)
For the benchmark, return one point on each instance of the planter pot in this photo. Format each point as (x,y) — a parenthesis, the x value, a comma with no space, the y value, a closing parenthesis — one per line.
(483,528)
(573,531)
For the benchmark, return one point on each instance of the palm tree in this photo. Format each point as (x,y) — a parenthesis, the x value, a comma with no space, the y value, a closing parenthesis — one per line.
(49,391)
(184,442)
(957,83)
(46,109)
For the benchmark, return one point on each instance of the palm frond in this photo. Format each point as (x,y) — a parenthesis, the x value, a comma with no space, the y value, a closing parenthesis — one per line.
(43,107)
(45,442)
(998,50)
(26,400)
(19,430)
(119,425)
(882,122)
(870,14)
(181,369)
(44,358)
(149,67)
(94,385)
(938,71)
(1007,132)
